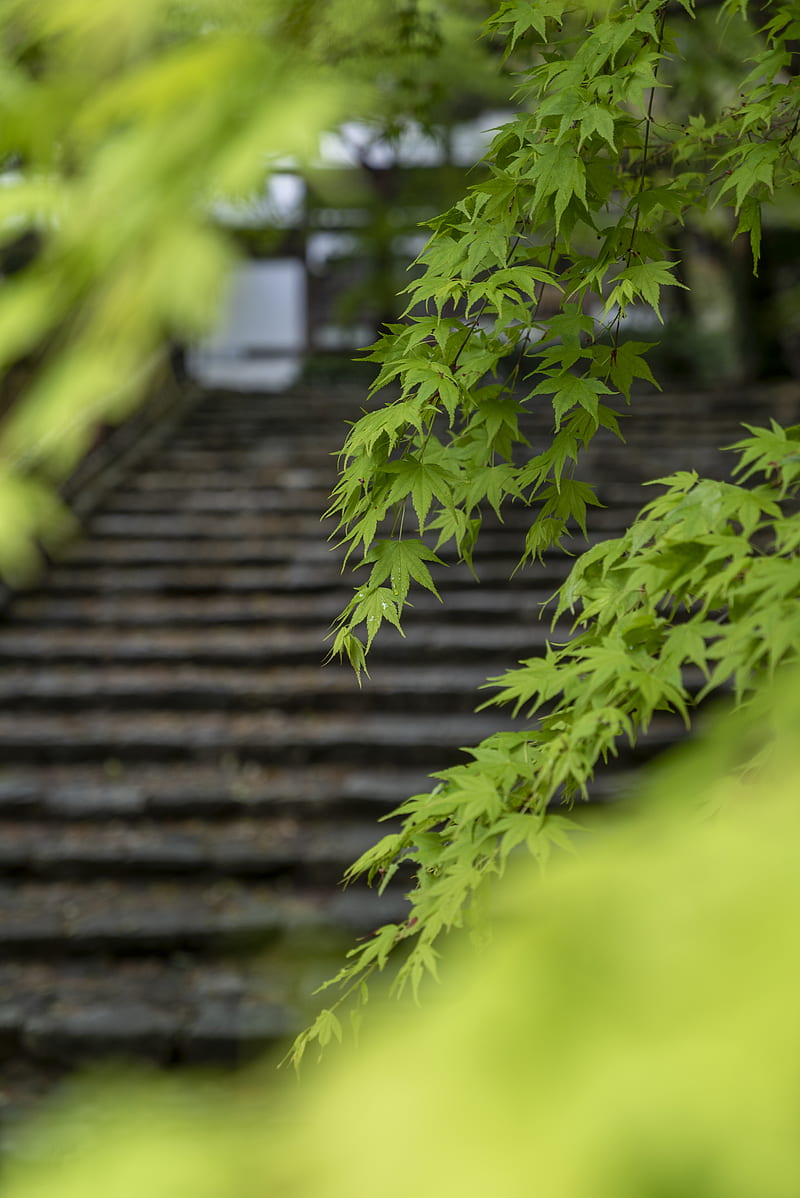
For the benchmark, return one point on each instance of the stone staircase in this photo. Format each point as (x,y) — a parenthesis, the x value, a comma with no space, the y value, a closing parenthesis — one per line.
(182,785)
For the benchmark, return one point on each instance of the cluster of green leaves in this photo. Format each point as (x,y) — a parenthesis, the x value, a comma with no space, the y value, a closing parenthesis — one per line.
(700,592)
(587,187)
(537,266)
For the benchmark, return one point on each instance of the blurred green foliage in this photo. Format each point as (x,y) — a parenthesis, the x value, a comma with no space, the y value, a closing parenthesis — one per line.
(622,150)
(630,1032)
(120,125)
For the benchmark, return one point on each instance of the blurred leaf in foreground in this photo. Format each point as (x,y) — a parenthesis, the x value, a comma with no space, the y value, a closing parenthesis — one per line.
(119,125)
(631,1032)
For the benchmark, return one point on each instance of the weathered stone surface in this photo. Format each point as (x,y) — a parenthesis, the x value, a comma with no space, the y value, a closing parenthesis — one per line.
(263,645)
(135,917)
(109,788)
(253,846)
(98,1031)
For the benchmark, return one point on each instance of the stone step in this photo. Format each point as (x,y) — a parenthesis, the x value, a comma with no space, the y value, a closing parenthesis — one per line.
(107,551)
(299,484)
(166,1012)
(250,459)
(140,690)
(220,415)
(178,499)
(241,442)
(134,916)
(295,481)
(234,437)
(197,529)
(193,527)
(238,447)
(104,551)
(237,550)
(237,425)
(216,417)
(267,644)
(307,852)
(212,687)
(234,788)
(612,485)
(271,737)
(294,576)
(317,608)
(264,479)
(226,789)
(174,491)
(348,402)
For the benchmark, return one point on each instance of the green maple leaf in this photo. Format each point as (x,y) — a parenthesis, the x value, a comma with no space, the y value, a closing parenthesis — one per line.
(401,561)
(569,391)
